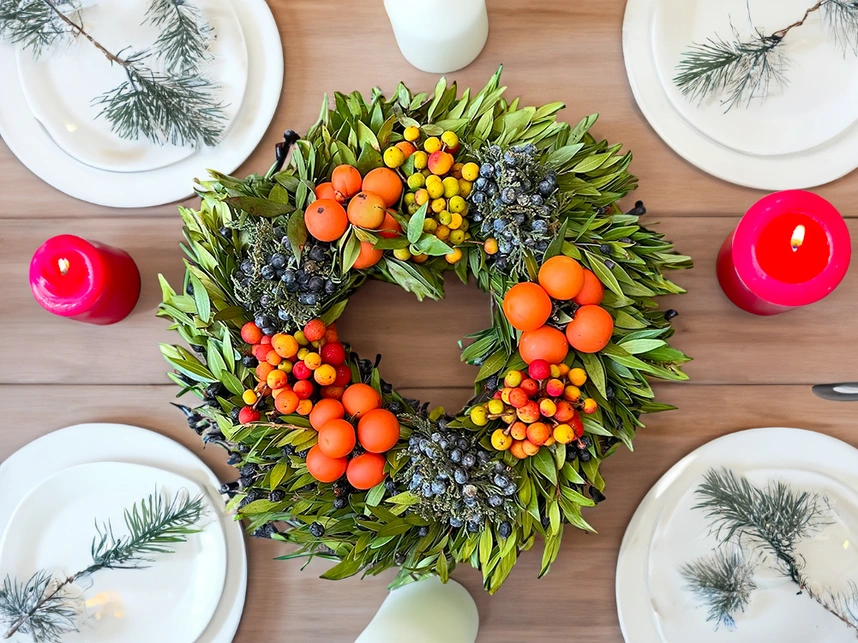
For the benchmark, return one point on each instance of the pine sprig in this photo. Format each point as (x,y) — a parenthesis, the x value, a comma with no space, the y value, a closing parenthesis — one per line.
(841,19)
(184,41)
(42,606)
(723,581)
(34,25)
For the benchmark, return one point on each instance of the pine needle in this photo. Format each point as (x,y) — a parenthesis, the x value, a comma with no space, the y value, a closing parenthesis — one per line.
(724,582)
(184,41)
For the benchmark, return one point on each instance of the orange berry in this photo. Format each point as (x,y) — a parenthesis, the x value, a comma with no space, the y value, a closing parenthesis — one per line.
(517,397)
(527,306)
(407,148)
(250,333)
(366,470)
(324,411)
(325,375)
(312,361)
(323,468)
(545,342)
(385,183)
(518,430)
(286,402)
(366,210)
(538,433)
(590,406)
(303,389)
(440,162)
(591,329)
(592,291)
(528,413)
(273,358)
(314,330)
(260,351)
(378,430)
(562,277)
(565,411)
(517,449)
(336,438)
(326,220)
(331,334)
(325,191)
(360,398)
(276,379)
(530,448)
(285,345)
(572,393)
(346,181)
(304,407)
(368,256)
(390,228)
(547,407)
(263,370)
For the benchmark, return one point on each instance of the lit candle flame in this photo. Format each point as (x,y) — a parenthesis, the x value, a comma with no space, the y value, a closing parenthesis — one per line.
(63,264)
(797,238)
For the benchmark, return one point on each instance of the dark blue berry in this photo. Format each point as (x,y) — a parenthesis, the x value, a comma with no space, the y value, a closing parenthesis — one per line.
(501,480)
(277,496)
(469,460)
(495,500)
(461,476)
(487,170)
(423,531)
(317,253)
(508,196)
(474,527)
(455,521)
(439,488)
(317,530)
(463,443)
(535,199)
(247,267)
(481,183)
(545,188)
(278,260)
(504,529)
(268,272)
(250,361)
(456,456)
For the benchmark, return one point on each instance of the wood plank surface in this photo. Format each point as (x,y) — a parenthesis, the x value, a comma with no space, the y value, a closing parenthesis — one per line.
(747,371)
(574,602)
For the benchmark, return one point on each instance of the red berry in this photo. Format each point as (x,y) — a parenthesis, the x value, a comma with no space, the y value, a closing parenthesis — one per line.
(301,371)
(333,353)
(303,389)
(250,333)
(260,351)
(517,398)
(266,339)
(529,386)
(248,415)
(577,425)
(344,375)
(539,369)
(315,330)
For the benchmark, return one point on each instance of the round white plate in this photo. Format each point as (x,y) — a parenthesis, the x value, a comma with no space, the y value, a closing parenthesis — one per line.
(666,532)
(53,529)
(60,87)
(800,136)
(35,148)
(88,443)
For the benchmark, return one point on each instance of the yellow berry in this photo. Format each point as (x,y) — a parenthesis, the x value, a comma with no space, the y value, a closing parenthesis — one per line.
(419,258)
(456,171)
(495,407)
(402,254)
(304,407)
(312,361)
(500,440)
(394,157)
(442,232)
(454,256)
(436,190)
(444,218)
(438,205)
(249,397)
(455,221)
(411,133)
(432,144)
(491,246)
(555,370)
(578,376)
(303,352)
(285,366)
(416,181)
(513,378)
(572,393)
(430,225)
(470,172)
(457,237)
(421,160)
(451,187)
(564,433)
(421,196)
(412,208)
(465,188)
(299,337)
(458,204)
(465,225)
(409,198)
(325,375)
(590,406)
(478,416)
(450,139)
(564,369)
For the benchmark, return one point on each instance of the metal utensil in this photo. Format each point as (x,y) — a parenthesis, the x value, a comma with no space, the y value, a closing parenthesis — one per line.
(839,392)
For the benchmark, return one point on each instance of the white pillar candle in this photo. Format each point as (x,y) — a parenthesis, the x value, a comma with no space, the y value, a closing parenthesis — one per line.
(427,611)
(439,36)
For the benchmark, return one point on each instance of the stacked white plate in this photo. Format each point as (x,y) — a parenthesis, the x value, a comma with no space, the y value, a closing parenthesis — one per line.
(801,135)
(49,121)
(654,601)
(56,487)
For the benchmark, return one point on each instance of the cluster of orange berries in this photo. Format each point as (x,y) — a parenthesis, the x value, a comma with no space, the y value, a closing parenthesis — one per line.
(334,454)
(539,409)
(364,202)
(527,306)
(294,369)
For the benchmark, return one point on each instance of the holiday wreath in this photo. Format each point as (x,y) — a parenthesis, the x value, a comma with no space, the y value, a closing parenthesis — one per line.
(404,189)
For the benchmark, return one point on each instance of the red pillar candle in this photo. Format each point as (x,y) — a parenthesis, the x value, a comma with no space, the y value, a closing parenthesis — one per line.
(790,249)
(84,280)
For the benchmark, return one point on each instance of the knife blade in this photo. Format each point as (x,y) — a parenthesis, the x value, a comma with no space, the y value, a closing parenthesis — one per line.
(838,392)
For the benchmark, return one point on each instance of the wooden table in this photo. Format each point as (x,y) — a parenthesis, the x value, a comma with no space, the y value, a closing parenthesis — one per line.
(748,371)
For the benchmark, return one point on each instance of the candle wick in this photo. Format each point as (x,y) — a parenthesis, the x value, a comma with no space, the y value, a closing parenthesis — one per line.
(63,264)
(797,237)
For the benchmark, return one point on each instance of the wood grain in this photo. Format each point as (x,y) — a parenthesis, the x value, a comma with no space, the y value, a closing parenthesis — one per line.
(574,602)
(747,371)
(568,51)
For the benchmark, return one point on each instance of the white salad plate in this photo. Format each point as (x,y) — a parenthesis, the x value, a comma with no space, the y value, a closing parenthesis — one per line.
(801,135)
(83,444)
(654,602)
(36,149)
(60,86)
(171,601)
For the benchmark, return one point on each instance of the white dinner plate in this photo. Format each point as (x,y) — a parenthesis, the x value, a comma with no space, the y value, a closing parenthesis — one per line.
(666,532)
(35,148)
(800,136)
(87,443)
(172,601)
(61,85)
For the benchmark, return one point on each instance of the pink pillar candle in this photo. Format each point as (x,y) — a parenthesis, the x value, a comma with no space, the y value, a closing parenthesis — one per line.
(790,249)
(84,280)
